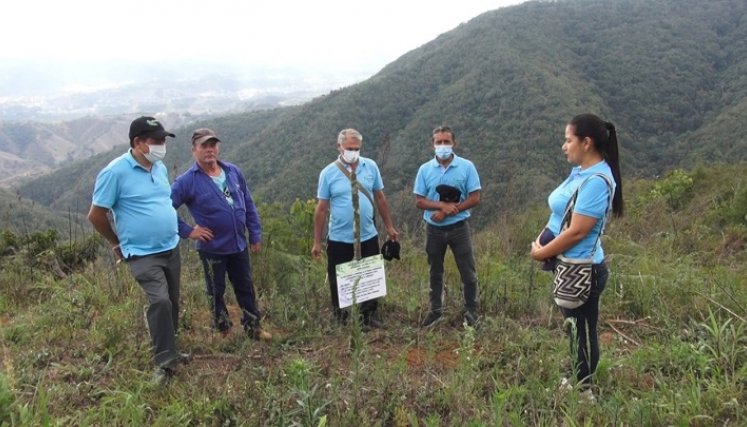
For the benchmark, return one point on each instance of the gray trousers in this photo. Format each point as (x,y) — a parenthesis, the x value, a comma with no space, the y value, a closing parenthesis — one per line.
(159,277)
(457,237)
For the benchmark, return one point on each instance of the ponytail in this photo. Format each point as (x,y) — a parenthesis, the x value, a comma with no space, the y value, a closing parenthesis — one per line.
(612,156)
(604,136)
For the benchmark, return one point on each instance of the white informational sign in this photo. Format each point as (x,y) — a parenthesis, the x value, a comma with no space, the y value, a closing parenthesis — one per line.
(372,282)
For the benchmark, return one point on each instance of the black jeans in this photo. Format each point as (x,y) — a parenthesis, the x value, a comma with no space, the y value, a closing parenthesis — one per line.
(586,340)
(338,253)
(456,237)
(240,274)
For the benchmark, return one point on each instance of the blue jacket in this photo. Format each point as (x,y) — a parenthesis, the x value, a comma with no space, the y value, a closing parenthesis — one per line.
(209,208)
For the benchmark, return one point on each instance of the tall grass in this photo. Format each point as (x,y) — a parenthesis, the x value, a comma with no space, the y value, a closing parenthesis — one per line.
(75,348)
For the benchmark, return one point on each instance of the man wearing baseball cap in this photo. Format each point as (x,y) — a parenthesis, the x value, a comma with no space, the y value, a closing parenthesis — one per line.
(135,188)
(222,207)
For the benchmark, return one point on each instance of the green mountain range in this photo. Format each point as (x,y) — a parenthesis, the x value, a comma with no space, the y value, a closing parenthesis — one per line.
(24,217)
(671,74)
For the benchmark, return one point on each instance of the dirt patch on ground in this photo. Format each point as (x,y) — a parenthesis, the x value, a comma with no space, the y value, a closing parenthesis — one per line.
(607,338)
(444,356)
(415,357)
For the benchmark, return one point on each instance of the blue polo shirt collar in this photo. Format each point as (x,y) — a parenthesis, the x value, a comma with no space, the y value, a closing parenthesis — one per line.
(362,163)
(454,162)
(132,161)
(591,170)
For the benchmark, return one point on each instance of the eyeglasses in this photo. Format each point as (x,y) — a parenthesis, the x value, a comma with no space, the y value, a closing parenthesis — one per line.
(352,149)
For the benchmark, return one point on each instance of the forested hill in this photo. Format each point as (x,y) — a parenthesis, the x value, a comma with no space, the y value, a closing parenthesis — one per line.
(24,217)
(671,74)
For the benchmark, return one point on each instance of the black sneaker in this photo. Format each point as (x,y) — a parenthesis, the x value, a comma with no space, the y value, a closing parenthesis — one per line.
(184,358)
(162,376)
(223,325)
(470,318)
(431,319)
(341,317)
(371,323)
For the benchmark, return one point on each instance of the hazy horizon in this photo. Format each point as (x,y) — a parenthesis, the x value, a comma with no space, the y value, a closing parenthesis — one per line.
(83,44)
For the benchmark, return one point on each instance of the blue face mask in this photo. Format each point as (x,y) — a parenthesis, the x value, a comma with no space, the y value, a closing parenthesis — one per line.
(443,152)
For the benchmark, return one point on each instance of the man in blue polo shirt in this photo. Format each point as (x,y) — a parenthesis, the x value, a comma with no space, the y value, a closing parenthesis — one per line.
(219,200)
(135,188)
(446,188)
(334,195)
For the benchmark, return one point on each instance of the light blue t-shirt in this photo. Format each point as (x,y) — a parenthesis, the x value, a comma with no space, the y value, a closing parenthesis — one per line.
(592,201)
(335,187)
(220,182)
(145,220)
(461,174)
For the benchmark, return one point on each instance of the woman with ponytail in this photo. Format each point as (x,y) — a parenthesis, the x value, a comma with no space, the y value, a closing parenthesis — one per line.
(591,145)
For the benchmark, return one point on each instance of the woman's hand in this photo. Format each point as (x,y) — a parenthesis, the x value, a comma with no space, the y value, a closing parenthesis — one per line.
(536,250)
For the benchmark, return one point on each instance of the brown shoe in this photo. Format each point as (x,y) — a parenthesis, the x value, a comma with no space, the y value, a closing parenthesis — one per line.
(259,334)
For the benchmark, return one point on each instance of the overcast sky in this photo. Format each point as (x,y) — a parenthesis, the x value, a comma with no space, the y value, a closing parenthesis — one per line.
(322,34)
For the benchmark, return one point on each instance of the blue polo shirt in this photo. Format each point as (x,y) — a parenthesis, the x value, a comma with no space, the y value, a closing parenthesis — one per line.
(335,187)
(592,201)
(461,174)
(140,200)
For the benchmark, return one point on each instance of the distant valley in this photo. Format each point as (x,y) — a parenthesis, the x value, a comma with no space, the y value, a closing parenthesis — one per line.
(30,149)
(49,119)
(41,91)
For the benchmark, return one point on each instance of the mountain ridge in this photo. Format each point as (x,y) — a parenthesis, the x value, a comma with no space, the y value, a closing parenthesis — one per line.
(665,72)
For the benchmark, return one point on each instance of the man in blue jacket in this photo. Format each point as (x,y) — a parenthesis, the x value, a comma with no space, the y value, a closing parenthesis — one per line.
(219,200)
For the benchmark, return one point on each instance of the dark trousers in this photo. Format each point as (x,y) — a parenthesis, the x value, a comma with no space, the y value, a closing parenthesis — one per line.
(586,340)
(159,277)
(338,253)
(239,272)
(457,237)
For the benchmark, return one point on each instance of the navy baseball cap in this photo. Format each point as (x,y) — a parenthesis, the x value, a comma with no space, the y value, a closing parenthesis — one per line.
(146,126)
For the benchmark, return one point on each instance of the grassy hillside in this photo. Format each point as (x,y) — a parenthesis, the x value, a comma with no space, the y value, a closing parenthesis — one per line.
(24,216)
(669,73)
(673,330)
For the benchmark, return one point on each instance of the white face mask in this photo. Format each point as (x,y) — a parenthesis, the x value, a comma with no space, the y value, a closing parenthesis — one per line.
(157,152)
(350,156)
(443,152)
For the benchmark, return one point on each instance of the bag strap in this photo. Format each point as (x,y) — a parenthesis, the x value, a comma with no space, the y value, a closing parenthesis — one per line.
(572,203)
(362,189)
(355,187)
